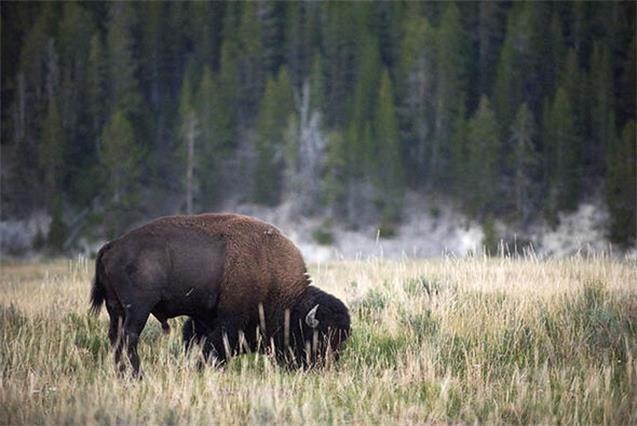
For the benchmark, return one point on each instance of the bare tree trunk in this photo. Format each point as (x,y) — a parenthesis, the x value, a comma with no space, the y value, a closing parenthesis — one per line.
(304,170)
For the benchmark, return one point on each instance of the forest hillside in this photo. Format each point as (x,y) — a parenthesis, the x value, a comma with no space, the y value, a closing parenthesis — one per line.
(454,122)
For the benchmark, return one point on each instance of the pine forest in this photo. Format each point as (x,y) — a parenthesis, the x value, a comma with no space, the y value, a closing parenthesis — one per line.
(117,112)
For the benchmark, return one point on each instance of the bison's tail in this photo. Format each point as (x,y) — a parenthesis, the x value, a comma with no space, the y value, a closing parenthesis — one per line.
(98,292)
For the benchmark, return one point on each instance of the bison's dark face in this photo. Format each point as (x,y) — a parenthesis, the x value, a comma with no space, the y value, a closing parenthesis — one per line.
(320,324)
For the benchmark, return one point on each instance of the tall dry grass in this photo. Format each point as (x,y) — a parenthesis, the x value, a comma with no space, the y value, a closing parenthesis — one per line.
(447,340)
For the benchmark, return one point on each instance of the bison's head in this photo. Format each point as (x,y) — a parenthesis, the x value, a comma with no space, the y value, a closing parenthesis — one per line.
(319,326)
(310,334)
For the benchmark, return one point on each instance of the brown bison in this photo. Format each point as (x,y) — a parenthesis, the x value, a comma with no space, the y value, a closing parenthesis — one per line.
(243,284)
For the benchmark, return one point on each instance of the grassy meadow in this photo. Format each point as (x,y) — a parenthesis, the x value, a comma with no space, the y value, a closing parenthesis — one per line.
(448,340)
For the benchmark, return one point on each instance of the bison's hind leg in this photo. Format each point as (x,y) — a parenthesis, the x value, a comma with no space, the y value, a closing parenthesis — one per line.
(115,328)
(133,326)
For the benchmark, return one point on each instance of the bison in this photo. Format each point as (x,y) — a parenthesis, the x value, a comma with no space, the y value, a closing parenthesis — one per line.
(243,284)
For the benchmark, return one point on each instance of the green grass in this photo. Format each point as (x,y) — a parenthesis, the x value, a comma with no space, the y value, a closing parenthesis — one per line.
(458,341)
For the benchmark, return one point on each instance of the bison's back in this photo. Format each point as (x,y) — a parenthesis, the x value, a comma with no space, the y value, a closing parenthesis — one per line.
(176,270)
(261,265)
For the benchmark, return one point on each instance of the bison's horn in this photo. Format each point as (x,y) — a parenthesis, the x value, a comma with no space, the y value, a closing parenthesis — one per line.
(310,318)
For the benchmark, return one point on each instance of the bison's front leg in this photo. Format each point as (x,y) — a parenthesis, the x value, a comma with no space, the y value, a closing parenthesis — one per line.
(225,340)
(218,343)
(197,333)
(193,333)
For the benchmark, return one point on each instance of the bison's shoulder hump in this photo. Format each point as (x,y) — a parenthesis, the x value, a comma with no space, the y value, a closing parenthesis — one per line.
(241,233)
(217,223)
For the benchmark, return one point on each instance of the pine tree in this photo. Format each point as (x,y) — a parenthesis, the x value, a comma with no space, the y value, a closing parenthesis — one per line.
(386,18)
(415,85)
(483,143)
(177,33)
(97,81)
(504,96)
(302,31)
(226,104)
(271,17)
(359,143)
(555,51)
(123,86)
(627,99)
(120,156)
(340,39)
(206,20)
(540,50)
(73,43)
(250,66)
(601,94)
(57,229)
(317,85)
(212,144)
(458,153)
(580,22)
(24,103)
(153,38)
(297,51)
(621,185)
(361,156)
(35,71)
(491,28)
(561,153)
(75,33)
(525,61)
(526,163)
(574,81)
(274,112)
(450,95)
(388,167)
(514,65)
(51,151)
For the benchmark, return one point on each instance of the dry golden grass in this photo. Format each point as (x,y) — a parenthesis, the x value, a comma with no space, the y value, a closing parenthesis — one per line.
(446,340)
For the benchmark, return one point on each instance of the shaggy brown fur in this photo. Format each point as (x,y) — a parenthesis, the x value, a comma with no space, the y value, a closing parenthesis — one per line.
(228,272)
(261,264)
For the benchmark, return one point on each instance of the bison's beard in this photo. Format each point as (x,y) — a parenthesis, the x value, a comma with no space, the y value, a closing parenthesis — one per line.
(314,350)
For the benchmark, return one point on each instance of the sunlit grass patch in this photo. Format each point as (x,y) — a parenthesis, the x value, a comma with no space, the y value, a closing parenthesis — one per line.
(437,341)
(422,286)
